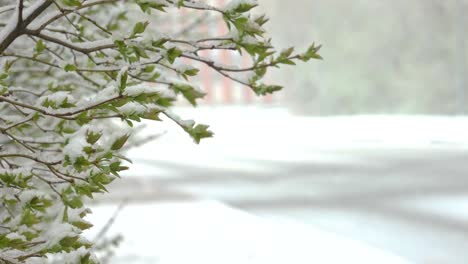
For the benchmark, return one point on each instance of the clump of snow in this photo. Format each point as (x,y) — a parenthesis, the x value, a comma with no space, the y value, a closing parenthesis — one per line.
(60,231)
(28,195)
(132,108)
(107,92)
(147,88)
(182,67)
(74,148)
(187,123)
(15,235)
(74,256)
(57,97)
(77,141)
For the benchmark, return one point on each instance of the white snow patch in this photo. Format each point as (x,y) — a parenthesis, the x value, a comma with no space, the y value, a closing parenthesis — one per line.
(209,232)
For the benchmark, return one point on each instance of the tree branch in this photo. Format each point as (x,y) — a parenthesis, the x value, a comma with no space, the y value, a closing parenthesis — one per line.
(20,13)
(13,30)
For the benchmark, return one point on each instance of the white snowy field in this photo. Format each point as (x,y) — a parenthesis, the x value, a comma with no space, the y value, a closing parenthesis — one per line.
(209,232)
(273,134)
(396,183)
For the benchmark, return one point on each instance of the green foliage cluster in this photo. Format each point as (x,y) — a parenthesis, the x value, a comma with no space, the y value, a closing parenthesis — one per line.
(76,76)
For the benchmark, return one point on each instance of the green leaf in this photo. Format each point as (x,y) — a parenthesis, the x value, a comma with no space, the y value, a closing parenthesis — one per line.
(82,225)
(286,53)
(287,61)
(191,72)
(72,2)
(153,114)
(149,69)
(119,142)
(75,202)
(146,5)
(159,43)
(140,52)
(28,218)
(261,20)
(180,3)
(65,214)
(173,53)
(122,47)
(40,46)
(139,28)
(115,166)
(123,77)
(264,89)
(66,104)
(83,118)
(67,242)
(189,92)
(311,53)
(244,7)
(199,132)
(81,163)
(84,190)
(92,137)
(70,67)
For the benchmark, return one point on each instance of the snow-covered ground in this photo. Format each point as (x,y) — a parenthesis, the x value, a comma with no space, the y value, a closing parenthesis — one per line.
(397,183)
(274,134)
(209,232)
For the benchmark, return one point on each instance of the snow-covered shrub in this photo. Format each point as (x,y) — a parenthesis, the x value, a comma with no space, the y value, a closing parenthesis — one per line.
(75,75)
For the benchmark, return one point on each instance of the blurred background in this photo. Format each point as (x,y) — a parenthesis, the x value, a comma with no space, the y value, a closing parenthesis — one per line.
(361,159)
(397,57)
